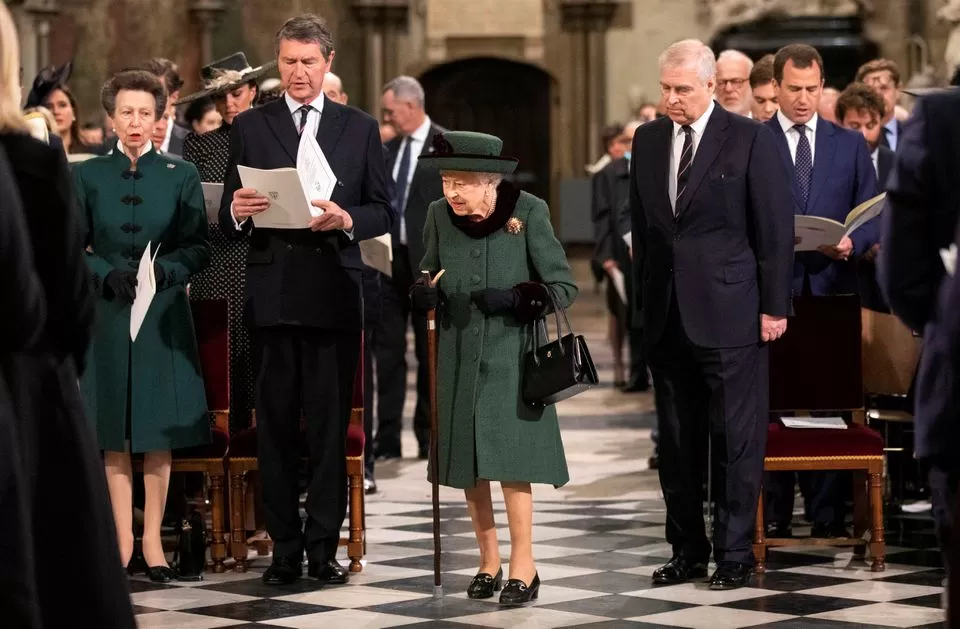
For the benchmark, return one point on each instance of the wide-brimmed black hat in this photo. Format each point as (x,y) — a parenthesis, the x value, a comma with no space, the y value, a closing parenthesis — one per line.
(226,74)
(49,79)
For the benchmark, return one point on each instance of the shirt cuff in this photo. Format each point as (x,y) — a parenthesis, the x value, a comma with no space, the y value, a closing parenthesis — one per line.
(237,226)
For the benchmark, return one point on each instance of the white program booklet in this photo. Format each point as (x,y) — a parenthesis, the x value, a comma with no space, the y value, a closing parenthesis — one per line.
(377,253)
(835,423)
(212,193)
(813,232)
(949,258)
(316,176)
(146,290)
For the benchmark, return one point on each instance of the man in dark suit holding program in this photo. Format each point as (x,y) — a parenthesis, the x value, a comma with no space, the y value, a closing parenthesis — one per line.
(303,296)
(712,249)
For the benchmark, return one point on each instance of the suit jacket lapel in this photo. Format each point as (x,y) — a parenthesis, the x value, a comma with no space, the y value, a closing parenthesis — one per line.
(714,136)
(784,149)
(393,149)
(281,123)
(330,127)
(822,161)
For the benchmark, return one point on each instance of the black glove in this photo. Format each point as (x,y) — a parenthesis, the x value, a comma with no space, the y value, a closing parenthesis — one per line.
(121,285)
(493,300)
(423,296)
(159,274)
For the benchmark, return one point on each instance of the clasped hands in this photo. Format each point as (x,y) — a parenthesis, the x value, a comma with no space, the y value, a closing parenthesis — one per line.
(489,301)
(122,285)
(248,202)
(841,251)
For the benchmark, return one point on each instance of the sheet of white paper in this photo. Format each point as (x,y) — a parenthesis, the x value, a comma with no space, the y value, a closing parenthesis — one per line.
(289,208)
(377,253)
(619,283)
(873,212)
(949,258)
(316,176)
(628,238)
(212,193)
(811,232)
(836,423)
(146,290)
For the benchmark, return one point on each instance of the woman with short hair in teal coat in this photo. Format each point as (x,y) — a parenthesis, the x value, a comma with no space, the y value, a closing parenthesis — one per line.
(145,395)
(499,257)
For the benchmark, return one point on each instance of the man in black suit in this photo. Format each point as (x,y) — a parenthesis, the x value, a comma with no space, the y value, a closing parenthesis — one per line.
(413,190)
(304,296)
(919,222)
(713,254)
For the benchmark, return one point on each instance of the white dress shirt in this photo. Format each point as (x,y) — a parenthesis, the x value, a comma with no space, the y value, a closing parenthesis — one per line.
(165,147)
(874,157)
(416,140)
(698,126)
(793,136)
(143,149)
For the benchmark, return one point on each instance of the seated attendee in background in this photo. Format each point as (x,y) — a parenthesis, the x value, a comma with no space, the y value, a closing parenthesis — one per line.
(202,116)
(763,103)
(828,104)
(646,112)
(860,108)
(883,76)
(613,147)
(146,396)
(733,81)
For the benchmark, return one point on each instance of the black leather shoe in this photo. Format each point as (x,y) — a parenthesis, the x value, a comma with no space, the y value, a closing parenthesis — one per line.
(516,592)
(369,485)
(161,574)
(329,571)
(284,570)
(423,453)
(679,570)
(636,386)
(730,575)
(484,585)
(779,531)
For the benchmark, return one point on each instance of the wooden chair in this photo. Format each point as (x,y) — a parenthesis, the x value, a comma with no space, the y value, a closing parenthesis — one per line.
(242,458)
(210,321)
(817,366)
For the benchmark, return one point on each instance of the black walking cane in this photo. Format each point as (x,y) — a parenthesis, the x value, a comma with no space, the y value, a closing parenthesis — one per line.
(435,472)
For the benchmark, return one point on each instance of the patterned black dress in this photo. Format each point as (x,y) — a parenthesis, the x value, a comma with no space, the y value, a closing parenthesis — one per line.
(224,278)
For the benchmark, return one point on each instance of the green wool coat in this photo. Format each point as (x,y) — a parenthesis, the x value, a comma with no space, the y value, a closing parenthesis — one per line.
(155,381)
(485,431)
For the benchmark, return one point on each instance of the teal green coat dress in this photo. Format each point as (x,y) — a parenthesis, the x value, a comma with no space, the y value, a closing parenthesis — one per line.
(485,431)
(149,391)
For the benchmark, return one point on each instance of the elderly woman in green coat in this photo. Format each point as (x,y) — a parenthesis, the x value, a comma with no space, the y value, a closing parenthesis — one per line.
(499,257)
(145,395)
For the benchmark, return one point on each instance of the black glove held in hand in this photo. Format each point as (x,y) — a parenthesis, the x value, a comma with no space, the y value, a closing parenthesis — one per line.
(159,274)
(121,285)
(493,300)
(424,297)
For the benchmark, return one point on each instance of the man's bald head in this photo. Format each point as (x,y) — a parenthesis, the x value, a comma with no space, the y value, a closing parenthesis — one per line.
(733,81)
(333,88)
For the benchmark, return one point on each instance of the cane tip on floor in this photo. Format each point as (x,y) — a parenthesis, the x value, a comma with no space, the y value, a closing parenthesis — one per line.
(437,592)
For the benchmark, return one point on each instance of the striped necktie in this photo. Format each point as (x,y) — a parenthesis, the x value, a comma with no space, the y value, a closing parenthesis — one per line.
(683,168)
(304,113)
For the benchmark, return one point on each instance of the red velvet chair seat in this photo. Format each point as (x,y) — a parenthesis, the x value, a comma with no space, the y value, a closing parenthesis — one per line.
(355,440)
(856,440)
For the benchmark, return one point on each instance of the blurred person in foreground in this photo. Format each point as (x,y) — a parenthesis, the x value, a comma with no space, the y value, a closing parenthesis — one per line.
(56,449)
(146,396)
(502,266)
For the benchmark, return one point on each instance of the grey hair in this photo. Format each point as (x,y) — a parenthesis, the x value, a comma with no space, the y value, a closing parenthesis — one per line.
(690,52)
(408,89)
(735,55)
(308,28)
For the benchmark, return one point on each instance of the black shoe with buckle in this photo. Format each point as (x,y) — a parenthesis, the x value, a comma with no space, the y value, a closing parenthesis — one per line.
(484,585)
(516,592)
(329,571)
(679,570)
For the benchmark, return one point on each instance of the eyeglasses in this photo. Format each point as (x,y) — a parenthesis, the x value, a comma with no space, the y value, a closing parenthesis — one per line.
(734,83)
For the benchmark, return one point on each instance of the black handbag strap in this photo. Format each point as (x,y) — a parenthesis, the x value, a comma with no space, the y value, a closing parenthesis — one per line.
(540,325)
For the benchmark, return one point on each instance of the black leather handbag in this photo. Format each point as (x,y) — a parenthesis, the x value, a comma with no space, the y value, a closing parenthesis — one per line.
(556,370)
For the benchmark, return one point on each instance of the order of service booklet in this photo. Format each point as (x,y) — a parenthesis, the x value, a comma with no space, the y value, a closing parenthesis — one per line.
(813,232)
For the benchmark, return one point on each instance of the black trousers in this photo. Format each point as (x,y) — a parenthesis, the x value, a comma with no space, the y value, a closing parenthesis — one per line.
(823,494)
(944,485)
(722,393)
(391,354)
(309,371)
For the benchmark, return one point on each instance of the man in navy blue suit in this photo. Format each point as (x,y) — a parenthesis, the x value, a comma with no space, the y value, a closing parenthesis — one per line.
(832,174)
(712,233)
(920,221)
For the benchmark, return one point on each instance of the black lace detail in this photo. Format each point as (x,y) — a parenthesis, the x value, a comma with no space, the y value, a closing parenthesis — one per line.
(131,199)
(131,228)
(131,174)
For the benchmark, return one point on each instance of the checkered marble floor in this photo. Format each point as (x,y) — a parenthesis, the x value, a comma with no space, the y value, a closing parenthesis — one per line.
(595,559)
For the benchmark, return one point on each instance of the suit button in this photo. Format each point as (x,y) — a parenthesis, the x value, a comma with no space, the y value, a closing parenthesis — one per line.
(475,253)
(474,279)
(289,247)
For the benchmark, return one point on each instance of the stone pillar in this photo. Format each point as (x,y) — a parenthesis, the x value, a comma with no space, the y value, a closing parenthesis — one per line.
(33,21)
(206,14)
(382,21)
(588,21)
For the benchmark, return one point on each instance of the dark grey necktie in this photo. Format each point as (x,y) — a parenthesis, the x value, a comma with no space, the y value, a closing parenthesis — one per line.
(304,113)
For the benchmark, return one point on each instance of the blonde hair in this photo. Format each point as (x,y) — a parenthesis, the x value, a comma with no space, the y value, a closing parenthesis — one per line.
(10,116)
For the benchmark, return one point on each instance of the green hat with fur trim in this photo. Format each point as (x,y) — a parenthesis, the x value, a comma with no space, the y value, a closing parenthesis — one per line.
(468,151)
